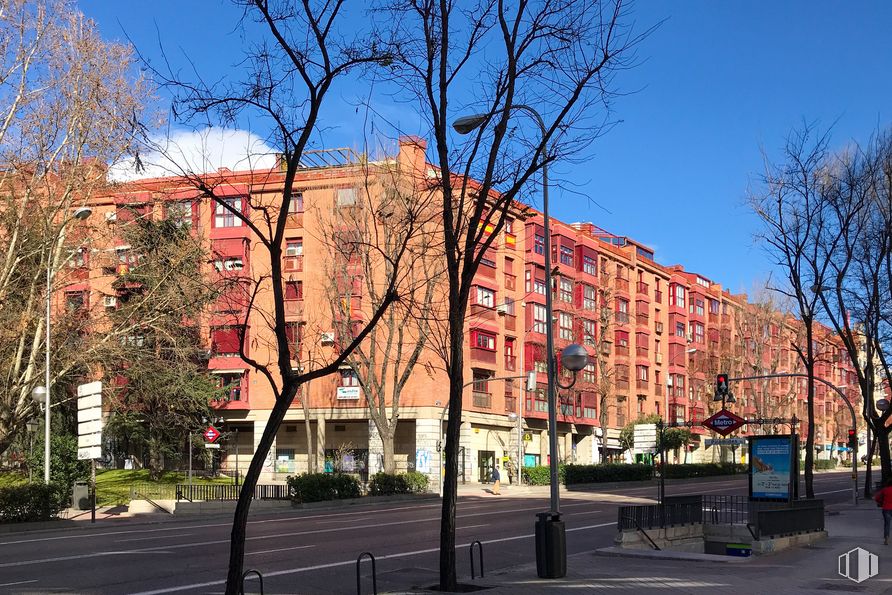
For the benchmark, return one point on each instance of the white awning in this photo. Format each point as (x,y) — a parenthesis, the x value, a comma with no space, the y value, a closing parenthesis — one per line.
(239,371)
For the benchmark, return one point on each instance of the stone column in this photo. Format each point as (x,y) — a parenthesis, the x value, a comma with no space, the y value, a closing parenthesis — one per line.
(543,447)
(268,471)
(320,442)
(376,449)
(466,439)
(427,459)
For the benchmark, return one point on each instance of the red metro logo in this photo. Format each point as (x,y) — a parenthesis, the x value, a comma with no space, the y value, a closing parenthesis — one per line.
(724,422)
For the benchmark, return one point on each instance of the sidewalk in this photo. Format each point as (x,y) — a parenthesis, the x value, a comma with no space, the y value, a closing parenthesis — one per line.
(811,569)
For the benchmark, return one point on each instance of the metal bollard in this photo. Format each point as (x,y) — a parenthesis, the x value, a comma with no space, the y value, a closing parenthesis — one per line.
(259,577)
(374,573)
(471,551)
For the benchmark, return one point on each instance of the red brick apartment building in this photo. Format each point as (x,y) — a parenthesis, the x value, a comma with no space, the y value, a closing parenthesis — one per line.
(657,335)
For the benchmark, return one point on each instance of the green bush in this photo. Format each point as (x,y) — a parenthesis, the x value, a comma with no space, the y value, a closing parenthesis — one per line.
(823,464)
(541,475)
(703,470)
(607,472)
(387,484)
(318,487)
(35,502)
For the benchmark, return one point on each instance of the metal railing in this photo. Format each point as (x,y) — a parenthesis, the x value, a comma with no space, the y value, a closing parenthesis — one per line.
(230,492)
(764,519)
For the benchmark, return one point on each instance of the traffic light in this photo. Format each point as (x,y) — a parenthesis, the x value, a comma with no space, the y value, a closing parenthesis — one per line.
(721,385)
(853,439)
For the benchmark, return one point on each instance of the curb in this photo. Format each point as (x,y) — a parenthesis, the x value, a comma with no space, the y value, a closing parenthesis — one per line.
(615,552)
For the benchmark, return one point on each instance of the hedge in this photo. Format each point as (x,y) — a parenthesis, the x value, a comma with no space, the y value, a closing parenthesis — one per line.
(34,502)
(607,472)
(823,464)
(541,475)
(387,484)
(703,470)
(317,487)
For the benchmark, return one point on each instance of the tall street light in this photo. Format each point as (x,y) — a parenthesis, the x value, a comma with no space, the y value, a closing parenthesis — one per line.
(41,394)
(551,555)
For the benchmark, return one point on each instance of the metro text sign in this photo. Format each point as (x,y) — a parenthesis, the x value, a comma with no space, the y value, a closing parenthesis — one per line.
(724,422)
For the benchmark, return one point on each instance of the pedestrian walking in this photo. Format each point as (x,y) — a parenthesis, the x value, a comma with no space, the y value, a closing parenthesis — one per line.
(497,482)
(883,499)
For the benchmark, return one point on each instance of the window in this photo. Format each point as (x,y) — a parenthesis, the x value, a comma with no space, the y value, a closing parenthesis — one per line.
(565,321)
(566,256)
(588,405)
(509,226)
(540,319)
(78,258)
(565,293)
(698,307)
(481,381)
(180,213)
(348,377)
(232,263)
(482,340)
(680,330)
(510,306)
(297,203)
(485,297)
(698,332)
(294,290)
(231,386)
(346,197)
(294,254)
(641,373)
(588,373)
(713,306)
(676,295)
(588,332)
(588,298)
(294,332)
(75,301)
(225,341)
(539,244)
(622,339)
(588,265)
(223,217)
(488,259)
(622,311)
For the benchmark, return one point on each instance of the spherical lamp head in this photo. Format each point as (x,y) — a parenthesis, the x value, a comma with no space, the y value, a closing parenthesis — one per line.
(574,357)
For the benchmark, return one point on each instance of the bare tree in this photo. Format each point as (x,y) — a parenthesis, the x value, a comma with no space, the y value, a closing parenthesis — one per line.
(67,102)
(789,204)
(604,342)
(288,74)
(558,56)
(361,239)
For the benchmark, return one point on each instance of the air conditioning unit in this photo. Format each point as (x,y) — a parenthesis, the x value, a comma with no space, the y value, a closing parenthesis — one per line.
(111,216)
(110,301)
(659,358)
(502,309)
(328,338)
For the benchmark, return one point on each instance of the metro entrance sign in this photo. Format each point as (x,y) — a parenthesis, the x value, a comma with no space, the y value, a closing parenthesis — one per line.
(724,422)
(211,434)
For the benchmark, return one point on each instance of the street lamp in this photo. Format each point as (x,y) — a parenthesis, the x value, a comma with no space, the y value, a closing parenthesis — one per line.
(555,566)
(43,392)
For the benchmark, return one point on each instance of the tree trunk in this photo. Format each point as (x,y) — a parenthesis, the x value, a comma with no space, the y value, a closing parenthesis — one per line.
(868,457)
(311,450)
(881,440)
(243,506)
(154,459)
(810,409)
(387,439)
(453,434)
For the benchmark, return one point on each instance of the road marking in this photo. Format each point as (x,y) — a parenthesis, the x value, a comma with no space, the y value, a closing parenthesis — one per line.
(352,562)
(152,537)
(281,549)
(18,583)
(473,526)
(849,489)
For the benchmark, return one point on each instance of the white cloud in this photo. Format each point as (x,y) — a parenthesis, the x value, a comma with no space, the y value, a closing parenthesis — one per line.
(198,151)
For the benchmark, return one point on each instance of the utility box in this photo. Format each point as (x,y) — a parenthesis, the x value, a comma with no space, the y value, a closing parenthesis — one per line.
(80,496)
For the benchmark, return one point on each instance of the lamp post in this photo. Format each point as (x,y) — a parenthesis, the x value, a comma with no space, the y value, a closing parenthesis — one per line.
(42,393)
(553,567)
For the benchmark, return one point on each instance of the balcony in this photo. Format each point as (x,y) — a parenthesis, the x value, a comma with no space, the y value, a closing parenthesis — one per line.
(295,220)
(641,384)
(487,272)
(479,313)
(622,285)
(642,288)
(726,319)
(658,357)
(622,317)
(622,384)
(511,404)
(294,308)
(658,296)
(483,355)
(641,352)
(658,328)
(642,319)
(482,400)
(658,389)
(511,363)
(293,264)
(510,282)
(622,350)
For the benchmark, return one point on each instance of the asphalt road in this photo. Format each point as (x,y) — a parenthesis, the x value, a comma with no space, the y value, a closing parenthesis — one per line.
(314,552)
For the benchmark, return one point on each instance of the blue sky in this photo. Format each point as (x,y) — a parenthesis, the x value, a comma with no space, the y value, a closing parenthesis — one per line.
(718,83)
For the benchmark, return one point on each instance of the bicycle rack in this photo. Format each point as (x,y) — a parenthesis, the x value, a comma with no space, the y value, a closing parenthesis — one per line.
(259,578)
(471,552)
(374,573)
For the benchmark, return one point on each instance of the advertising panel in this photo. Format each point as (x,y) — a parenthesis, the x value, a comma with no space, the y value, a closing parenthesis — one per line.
(772,467)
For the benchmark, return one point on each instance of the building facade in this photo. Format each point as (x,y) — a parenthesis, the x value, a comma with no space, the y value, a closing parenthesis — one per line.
(656,334)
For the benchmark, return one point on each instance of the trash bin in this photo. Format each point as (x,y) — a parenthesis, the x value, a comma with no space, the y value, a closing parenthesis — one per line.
(80,496)
(551,545)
